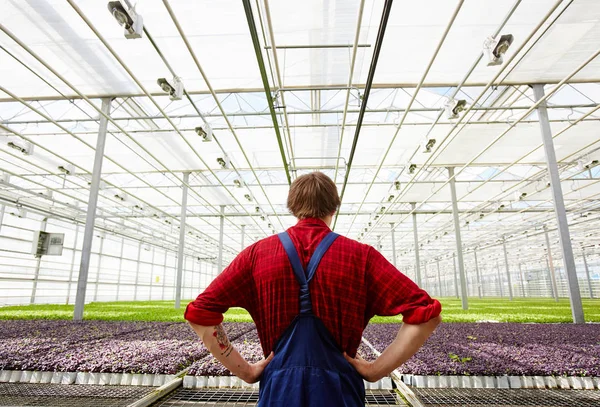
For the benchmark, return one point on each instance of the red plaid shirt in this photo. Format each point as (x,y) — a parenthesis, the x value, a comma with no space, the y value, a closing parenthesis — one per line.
(353,283)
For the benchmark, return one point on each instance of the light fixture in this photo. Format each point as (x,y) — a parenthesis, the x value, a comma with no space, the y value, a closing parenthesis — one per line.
(397,185)
(175,91)
(428,145)
(257,209)
(412,168)
(382,209)
(237,183)
(67,169)
(224,162)
(262,217)
(454,107)
(121,198)
(205,131)
(26,150)
(131,21)
(589,164)
(21,212)
(248,197)
(496,48)
(390,198)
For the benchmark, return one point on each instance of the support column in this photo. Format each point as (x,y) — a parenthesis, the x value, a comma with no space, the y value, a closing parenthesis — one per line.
(550,263)
(183,278)
(550,286)
(394,246)
(2,211)
(477,273)
(522,282)
(425,282)
(459,253)
(38,263)
(152,277)
(587,273)
(500,282)
(72,270)
(243,236)
(510,293)
(120,268)
(184,196)
(162,297)
(439,277)
(98,267)
(88,234)
(137,271)
(455,275)
(416,235)
(559,207)
(220,255)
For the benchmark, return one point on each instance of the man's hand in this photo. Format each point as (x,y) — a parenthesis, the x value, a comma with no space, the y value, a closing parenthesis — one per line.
(253,371)
(364,368)
(216,341)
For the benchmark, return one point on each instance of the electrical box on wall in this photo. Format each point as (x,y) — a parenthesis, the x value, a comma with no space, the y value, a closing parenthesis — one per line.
(50,244)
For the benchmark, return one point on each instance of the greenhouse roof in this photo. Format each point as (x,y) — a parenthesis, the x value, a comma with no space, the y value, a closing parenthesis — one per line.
(317,110)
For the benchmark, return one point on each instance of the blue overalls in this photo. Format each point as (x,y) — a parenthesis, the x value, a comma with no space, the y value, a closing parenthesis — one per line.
(308,368)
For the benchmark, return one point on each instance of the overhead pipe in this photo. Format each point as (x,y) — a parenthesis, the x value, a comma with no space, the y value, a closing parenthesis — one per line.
(311,112)
(387,7)
(265,80)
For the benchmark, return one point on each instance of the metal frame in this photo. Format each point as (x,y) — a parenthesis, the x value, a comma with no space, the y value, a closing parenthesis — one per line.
(515,226)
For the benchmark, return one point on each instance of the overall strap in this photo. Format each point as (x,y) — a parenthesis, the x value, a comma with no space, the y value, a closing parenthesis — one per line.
(318,254)
(290,249)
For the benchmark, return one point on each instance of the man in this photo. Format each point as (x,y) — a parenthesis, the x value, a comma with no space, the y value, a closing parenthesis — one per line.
(311,293)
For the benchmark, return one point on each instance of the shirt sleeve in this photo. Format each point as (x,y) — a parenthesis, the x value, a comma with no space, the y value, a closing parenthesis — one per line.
(389,293)
(234,287)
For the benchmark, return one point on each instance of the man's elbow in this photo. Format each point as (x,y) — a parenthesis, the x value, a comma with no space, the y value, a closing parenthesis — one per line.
(436,320)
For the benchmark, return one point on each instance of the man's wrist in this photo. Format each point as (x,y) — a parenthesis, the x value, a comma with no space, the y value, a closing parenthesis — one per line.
(243,371)
(375,372)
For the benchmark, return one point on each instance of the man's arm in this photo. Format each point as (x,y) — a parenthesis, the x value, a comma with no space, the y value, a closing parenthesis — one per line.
(409,340)
(216,341)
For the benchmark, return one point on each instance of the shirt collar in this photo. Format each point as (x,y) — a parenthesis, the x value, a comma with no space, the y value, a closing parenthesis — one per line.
(312,222)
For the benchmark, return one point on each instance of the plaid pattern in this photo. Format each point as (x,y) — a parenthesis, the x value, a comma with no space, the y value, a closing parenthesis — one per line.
(353,283)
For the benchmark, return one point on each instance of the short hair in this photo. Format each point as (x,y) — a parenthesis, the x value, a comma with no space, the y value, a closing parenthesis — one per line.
(313,195)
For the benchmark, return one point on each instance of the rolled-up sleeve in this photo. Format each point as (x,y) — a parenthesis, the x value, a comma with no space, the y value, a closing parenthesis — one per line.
(391,293)
(234,287)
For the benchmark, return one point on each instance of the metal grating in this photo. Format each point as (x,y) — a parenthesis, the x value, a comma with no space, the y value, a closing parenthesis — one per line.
(508,397)
(68,395)
(222,398)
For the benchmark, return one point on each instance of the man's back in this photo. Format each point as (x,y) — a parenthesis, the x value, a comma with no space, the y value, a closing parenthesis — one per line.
(353,283)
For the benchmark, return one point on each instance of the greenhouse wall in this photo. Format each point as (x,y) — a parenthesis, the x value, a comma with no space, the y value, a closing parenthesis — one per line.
(121,269)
